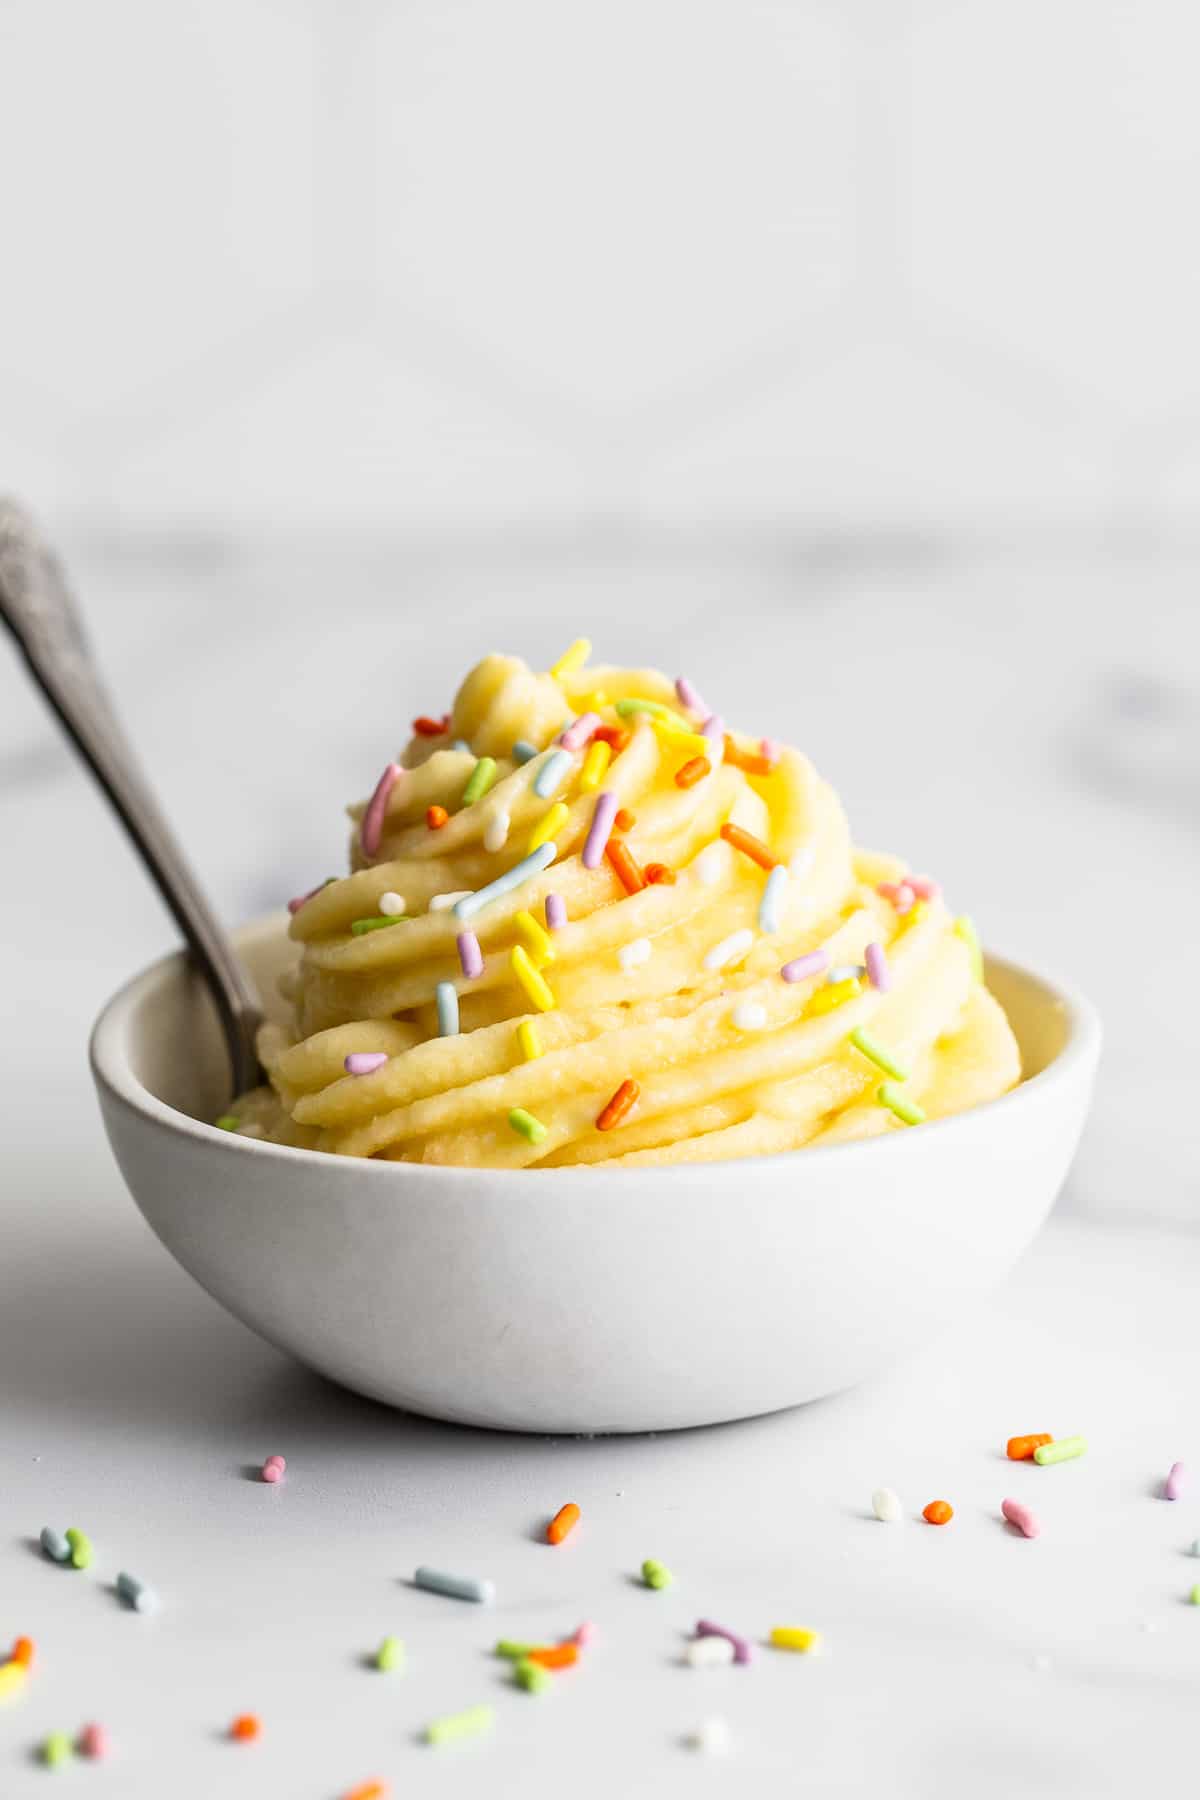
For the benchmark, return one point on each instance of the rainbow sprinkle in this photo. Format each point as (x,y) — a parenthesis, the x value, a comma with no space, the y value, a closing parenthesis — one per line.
(964,928)
(470,956)
(556,912)
(801,967)
(772,899)
(595,766)
(447,1009)
(479,780)
(526,1126)
(875,1052)
(877,968)
(528,1039)
(690,698)
(537,939)
(572,658)
(907,1111)
(371,829)
(536,988)
(532,865)
(600,829)
(552,773)
(523,751)
(833,994)
(551,823)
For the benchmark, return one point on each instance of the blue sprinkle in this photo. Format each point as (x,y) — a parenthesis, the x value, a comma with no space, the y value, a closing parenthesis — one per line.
(470,904)
(552,774)
(768,906)
(447,1009)
(459,1587)
(461,744)
(136,1594)
(55,1544)
(523,751)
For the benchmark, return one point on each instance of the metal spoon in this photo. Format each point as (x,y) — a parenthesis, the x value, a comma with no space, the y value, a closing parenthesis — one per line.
(36,605)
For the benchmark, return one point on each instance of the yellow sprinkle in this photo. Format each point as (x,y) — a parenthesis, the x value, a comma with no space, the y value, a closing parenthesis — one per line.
(592,702)
(914,915)
(530,1042)
(530,980)
(680,737)
(551,821)
(12,1677)
(794,1637)
(594,765)
(537,938)
(572,659)
(965,929)
(834,993)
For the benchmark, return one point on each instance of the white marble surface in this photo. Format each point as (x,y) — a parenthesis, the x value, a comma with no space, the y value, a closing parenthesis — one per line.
(1027,727)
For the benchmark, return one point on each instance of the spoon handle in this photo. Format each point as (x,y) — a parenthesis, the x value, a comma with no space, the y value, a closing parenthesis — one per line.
(36,605)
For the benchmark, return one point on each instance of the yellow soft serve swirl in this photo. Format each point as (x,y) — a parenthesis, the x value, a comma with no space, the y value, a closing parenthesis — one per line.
(652,942)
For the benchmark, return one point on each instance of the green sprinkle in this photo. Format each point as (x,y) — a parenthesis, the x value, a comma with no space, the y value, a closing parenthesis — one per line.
(390,1654)
(479,780)
(81,1548)
(457,1725)
(227,1122)
(57,1749)
(1194,1596)
(532,1677)
(360,925)
(964,928)
(628,709)
(907,1110)
(526,1126)
(875,1052)
(514,1651)
(1061,1451)
(655,1575)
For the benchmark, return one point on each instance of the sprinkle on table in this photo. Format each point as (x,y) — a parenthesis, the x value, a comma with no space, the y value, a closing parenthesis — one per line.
(1063,1450)
(563,1523)
(1176,1481)
(12,1679)
(794,1637)
(600,829)
(57,1749)
(708,1653)
(553,773)
(556,912)
(273,1470)
(526,1126)
(620,1106)
(742,1652)
(369,1790)
(446,1000)
(390,1655)
(624,865)
(595,765)
(521,872)
(801,967)
(23,1653)
(364,1062)
(54,1545)
(537,939)
(81,1548)
(772,900)
(693,771)
(1018,1514)
(136,1594)
(529,1041)
(877,969)
(93,1742)
(523,751)
(572,659)
(712,1737)
(938,1512)
(371,830)
(455,1587)
(535,986)
(551,823)
(874,1052)
(1021,1449)
(556,1656)
(655,1575)
(436,817)
(750,846)
(460,1725)
(530,1676)
(885,1504)
(245,1728)
(906,1110)
(729,950)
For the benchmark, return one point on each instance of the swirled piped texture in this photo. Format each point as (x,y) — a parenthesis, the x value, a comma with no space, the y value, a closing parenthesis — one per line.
(730,1023)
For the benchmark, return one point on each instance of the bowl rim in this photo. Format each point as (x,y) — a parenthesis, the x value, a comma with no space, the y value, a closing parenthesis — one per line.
(112,1075)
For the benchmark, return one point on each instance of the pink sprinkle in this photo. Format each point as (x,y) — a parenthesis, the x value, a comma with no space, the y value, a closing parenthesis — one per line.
(302,899)
(741,1646)
(93,1742)
(899,893)
(556,912)
(364,1062)
(600,829)
(922,887)
(1175,1483)
(689,697)
(801,966)
(580,731)
(713,726)
(371,829)
(877,969)
(769,749)
(1018,1514)
(585,1633)
(274,1469)
(470,955)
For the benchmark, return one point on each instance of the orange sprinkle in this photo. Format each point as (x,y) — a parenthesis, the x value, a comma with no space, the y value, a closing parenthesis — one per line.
(659,874)
(436,817)
(615,736)
(750,846)
(565,1520)
(746,760)
(938,1512)
(624,819)
(245,1728)
(369,1790)
(692,772)
(558,1656)
(427,727)
(22,1652)
(625,863)
(1021,1449)
(621,1104)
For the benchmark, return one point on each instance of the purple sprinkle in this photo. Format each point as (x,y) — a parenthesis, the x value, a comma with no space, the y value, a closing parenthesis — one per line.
(364,1062)
(769,749)
(600,829)
(470,955)
(800,966)
(713,726)
(580,731)
(556,912)
(689,697)
(1174,1484)
(877,968)
(371,829)
(741,1646)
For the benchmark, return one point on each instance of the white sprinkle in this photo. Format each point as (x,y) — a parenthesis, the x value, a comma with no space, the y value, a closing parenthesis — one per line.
(772,897)
(730,949)
(251,1131)
(712,863)
(885,1504)
(802,862)
(443,902)
(1039,1664)
(708,1653)
(632,956)
(495,834)
(390,904)
(712,1737)
(845,972)
(748,1015)
(1195,1551)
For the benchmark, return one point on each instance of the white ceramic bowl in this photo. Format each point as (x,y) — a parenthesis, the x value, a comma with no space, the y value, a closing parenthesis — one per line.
(577,1300)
